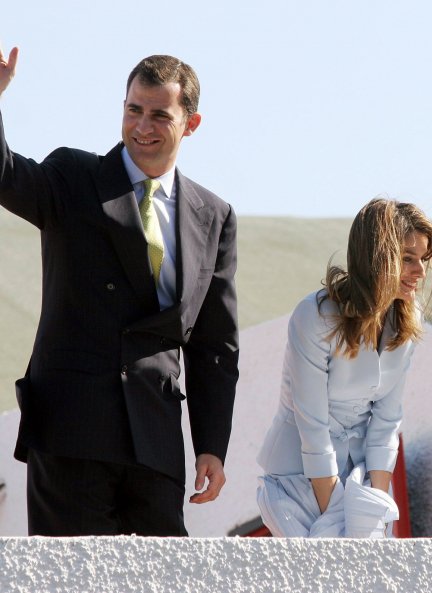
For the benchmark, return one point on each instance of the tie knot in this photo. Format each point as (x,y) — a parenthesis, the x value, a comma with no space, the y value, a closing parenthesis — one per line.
(150,186)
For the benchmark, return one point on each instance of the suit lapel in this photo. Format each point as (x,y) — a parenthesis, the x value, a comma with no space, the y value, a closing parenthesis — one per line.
(193,224)
(119,203)
(192,228)
(124,225)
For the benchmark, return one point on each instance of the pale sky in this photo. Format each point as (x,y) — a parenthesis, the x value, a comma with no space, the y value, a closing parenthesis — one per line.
(310,107)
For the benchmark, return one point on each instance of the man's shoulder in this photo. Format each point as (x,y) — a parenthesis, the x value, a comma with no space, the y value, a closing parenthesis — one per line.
(208,197)
(85,157)
(65,154)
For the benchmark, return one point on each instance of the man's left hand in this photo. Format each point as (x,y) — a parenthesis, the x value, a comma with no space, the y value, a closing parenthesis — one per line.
(210,467)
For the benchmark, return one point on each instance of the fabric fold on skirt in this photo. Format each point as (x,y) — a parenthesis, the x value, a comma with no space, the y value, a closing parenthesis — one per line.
(289,508)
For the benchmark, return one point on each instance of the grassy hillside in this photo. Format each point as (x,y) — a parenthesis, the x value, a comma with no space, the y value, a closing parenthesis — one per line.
(283,259)
(20,271)
(280,260)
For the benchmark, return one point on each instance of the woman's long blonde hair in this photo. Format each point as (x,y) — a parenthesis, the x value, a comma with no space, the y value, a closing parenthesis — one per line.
(369,286)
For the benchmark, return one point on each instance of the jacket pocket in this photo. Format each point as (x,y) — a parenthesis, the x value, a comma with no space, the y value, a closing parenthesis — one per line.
(23,395)
(22,391)
(171,387)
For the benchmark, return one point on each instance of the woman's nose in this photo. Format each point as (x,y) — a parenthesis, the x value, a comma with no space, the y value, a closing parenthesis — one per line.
(420,270)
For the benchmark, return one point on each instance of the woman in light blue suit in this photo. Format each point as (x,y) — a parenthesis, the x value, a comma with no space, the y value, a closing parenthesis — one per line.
(349,347)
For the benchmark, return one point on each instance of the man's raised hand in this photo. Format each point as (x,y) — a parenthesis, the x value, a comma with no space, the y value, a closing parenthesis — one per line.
(7,68)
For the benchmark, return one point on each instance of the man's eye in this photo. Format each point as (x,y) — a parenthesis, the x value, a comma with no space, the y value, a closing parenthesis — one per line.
(161,116)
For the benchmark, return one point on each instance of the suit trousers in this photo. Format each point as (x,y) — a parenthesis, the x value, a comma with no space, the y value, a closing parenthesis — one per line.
(75,497)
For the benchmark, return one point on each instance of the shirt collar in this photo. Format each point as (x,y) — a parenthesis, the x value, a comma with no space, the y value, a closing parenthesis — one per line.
(137,176)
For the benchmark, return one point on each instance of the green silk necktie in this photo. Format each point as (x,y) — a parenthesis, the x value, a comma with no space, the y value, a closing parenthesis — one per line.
(152,230)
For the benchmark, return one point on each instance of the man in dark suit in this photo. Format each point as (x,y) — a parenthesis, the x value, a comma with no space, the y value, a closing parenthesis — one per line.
(101,403)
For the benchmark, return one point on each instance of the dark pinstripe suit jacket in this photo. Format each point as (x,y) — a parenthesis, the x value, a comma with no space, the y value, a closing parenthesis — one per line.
(103,380)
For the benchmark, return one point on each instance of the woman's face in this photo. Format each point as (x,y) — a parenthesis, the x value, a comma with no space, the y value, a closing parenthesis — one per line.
(413,265)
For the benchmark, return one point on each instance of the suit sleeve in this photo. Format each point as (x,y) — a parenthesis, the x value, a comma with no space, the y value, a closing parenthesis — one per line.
(30,190)
(211,355)
(306,376)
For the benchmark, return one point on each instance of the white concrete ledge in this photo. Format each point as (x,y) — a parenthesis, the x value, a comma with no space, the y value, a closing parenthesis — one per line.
(225,565)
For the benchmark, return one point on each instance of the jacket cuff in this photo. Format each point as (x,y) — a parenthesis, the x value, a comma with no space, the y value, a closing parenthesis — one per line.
(381,458)
(320,466)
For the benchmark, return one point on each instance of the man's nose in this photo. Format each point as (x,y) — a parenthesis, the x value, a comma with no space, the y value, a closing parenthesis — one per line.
(144,125)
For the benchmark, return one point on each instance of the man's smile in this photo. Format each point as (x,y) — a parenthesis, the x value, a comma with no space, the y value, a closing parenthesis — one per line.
(145,142)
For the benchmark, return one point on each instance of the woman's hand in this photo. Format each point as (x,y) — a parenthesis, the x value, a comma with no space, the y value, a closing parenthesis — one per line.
(7,68)
(323,488)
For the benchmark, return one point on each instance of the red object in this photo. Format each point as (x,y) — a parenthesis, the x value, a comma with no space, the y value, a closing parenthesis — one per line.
(402,527)
(262,531)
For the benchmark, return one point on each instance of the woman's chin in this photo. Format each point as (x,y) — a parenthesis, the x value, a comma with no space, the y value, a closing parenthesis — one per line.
(408,296)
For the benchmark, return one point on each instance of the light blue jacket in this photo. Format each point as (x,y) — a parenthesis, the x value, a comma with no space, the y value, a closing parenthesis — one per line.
(332,408)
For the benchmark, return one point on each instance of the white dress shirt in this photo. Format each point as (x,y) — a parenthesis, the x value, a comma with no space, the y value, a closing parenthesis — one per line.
(164,201)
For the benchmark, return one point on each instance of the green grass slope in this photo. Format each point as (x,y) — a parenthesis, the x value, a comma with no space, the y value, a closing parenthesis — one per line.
(20,296)
(279,261)
(282,259)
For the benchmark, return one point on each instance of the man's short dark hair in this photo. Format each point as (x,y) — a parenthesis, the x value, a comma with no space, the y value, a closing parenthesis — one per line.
(157,70)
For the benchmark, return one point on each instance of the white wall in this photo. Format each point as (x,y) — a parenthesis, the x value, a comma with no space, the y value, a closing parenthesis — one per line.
(224,565)
(417,431)
(262,350)
(13,513)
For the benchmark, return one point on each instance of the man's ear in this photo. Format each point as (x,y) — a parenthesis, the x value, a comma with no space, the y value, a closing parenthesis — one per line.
(192,124)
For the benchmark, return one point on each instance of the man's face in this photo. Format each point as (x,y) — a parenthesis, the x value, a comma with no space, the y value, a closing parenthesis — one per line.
(154,122)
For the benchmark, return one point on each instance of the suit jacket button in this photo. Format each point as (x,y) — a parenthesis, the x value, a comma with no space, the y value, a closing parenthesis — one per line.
(110,286)
(188,331)
(126,331)
(163,340)
(124,369)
